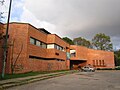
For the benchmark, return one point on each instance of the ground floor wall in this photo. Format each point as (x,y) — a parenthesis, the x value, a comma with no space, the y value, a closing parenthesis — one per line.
(37,65)
(46,65)
(101,59)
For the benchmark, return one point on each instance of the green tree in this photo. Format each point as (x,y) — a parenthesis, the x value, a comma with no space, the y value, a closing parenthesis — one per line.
(1,32)
(1,13)
(117,57)
(102,42)
(82,42)
(68,40)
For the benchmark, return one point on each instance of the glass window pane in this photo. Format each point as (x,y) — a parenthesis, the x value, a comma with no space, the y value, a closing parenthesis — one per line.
(50,46)
(38,43)
(32,40)
(44,45)
(55,46)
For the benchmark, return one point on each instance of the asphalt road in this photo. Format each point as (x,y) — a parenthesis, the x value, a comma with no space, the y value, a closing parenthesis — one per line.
(99,80)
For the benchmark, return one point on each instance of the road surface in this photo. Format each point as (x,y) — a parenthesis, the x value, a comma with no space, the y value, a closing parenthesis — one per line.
(99,80)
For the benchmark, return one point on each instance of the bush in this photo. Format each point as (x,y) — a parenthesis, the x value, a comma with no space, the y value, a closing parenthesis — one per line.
(117,68)
(105,69)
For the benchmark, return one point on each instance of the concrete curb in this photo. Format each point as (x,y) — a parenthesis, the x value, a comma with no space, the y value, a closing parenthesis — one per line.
(9,84)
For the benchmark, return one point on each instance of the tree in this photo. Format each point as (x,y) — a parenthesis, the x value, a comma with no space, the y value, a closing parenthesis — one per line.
(117,57)
(1,31)
(68,40)
(102,42)
(82,42)
(1,13)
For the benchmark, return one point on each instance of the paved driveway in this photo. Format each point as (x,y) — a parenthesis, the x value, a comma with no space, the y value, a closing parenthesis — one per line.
(100,80)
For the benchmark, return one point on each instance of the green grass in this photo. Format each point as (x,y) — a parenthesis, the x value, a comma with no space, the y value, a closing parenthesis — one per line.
(10,76)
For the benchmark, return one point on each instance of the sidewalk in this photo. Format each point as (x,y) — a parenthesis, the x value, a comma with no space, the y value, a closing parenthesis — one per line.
(25,80)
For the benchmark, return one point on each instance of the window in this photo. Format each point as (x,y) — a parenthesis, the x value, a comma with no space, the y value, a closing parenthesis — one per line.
(32,41)
(55,46)
(73,53)
(44,45)
(50,46)
(61,48)
(38,43)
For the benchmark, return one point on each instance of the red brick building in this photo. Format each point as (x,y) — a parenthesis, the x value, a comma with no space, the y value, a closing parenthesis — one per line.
(97,58)
(33,49)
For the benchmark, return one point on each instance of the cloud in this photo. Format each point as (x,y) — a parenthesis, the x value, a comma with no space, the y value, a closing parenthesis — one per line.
(29,17)
(72,18)
(76,18)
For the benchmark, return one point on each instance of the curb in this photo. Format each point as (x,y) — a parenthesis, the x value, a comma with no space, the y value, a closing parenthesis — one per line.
(31,80)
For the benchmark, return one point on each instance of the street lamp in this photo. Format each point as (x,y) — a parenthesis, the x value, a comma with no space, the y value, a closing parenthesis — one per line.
(6,42)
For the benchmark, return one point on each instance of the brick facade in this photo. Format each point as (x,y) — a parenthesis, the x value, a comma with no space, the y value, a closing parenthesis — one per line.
(33,49)
(96,58)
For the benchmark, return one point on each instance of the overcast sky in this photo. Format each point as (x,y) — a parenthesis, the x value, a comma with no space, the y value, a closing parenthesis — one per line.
(71,18)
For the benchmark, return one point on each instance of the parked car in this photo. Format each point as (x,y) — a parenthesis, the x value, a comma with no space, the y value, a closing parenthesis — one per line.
(88,69)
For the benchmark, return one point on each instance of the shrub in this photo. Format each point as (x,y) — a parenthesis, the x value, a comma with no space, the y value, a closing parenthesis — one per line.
(105,69)
(117,68)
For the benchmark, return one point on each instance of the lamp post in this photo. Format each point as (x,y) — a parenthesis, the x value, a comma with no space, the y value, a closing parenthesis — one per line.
(6,42)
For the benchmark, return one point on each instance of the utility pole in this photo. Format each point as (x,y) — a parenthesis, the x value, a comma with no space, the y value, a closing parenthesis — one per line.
(6,42)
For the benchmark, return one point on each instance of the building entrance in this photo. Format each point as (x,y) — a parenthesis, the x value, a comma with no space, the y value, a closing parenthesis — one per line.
(76,64)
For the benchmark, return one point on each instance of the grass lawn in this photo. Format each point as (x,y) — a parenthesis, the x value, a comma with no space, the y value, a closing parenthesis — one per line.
(10,76)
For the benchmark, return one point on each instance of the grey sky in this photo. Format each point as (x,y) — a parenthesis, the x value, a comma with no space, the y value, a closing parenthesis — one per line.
(75,18)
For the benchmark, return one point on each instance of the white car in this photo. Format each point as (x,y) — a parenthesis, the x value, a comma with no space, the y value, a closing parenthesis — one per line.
(88,69)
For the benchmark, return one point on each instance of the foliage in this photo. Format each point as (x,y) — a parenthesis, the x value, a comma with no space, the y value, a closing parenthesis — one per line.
(105,69)
(1,13)
(102,42)
(117,68)
(82,42)
(1,32)
(68,40)
(117,58)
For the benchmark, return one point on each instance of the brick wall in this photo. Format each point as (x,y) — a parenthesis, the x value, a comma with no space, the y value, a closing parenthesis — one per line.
(18,35)
(46,65)
(99,57)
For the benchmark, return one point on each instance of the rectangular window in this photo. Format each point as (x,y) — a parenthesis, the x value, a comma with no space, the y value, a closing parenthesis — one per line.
(44,45)
(73,53)
(50,46)
(32,41)
(38,43)
(60,48)
(55,46)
